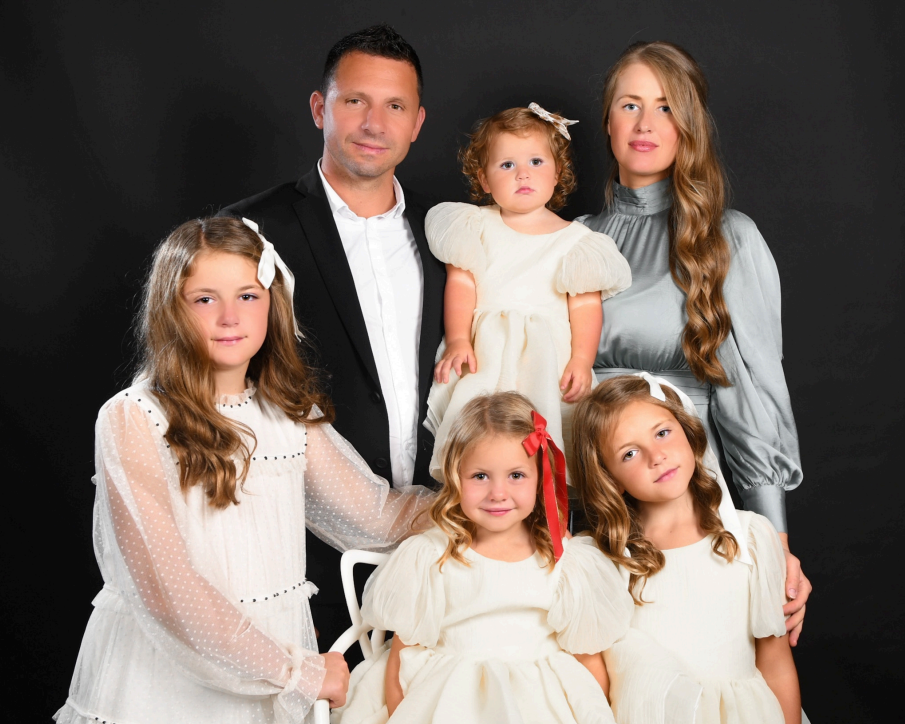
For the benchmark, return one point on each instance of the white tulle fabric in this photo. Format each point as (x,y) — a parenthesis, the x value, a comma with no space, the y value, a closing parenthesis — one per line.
(490,641)
(689,659)
(204,613)
(521,334)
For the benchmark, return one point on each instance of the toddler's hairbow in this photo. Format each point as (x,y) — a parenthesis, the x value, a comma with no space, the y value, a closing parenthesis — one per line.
(270,260)
(557,121)
(556,497)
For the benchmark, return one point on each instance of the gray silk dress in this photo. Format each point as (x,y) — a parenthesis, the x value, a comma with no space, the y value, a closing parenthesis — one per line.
(749,424)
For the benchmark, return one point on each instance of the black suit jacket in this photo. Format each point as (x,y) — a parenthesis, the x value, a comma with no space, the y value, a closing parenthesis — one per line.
(297,219)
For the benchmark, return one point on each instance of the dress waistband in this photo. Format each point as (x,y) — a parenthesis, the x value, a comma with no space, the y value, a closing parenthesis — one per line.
(698,391)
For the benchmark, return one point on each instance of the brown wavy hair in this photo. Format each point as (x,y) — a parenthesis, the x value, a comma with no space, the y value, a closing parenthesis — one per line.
(698,251)
(500,413)
(614,517)
(176,364)
(519,122)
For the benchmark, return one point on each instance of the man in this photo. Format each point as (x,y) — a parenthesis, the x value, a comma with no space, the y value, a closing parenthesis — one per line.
(368,292)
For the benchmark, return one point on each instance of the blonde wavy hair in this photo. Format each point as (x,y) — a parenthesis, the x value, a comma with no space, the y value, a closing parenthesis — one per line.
(519,122)
(176,363)
(501,413)
(698,251)
(614,517)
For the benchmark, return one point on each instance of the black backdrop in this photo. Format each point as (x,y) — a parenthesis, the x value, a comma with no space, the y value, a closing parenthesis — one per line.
(122,119)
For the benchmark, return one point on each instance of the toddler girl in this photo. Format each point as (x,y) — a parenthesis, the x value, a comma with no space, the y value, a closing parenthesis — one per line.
(208,469)
(523,290)
(490,605)
(708,639)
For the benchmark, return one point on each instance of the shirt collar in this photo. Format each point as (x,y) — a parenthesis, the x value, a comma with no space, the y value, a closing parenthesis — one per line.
(340,207)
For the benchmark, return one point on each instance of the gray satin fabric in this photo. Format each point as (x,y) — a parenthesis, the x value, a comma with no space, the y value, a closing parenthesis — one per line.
(751,422)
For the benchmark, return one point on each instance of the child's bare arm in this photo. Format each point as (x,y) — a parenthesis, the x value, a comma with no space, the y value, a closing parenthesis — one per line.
(459,300)
(392,687)
(774,661)
(595,664)
(586,321)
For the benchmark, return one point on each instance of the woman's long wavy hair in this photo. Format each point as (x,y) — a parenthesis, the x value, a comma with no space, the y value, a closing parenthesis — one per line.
(614,516)
(176,364)
(698,251)
(503,413)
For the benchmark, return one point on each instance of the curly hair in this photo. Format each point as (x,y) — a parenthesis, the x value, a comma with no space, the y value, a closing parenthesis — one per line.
(177,366)
(520,122)
(614,517)
(501,413)
(698,251)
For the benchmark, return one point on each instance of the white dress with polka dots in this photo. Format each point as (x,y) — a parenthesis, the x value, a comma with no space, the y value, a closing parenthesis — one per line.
(204,612)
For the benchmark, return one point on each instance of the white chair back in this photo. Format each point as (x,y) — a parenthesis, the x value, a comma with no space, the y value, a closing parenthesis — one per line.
(358,631)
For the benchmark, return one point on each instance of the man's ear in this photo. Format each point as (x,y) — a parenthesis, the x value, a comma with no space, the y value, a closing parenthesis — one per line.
(317,108)
(418,123)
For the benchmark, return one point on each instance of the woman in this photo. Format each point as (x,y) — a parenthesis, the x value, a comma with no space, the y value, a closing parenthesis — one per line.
(704,306)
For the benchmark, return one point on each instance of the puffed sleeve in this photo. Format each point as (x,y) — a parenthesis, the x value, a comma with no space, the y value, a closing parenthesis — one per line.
(454,236)
(406,594)
(348,506)
(767,578)
(591,606)
(754,416)
(167,578)
(593,264)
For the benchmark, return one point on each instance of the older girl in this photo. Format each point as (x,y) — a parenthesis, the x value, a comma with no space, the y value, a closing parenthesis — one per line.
(208,469)
(704,307)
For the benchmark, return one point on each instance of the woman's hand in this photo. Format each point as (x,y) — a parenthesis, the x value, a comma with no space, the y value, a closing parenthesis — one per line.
(336,681)
(458,353)
(576,380)
(798,589)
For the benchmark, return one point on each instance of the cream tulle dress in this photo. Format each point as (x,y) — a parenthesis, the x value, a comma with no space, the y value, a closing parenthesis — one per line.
(490,640)
(521,334)
(204,613)
(689,655)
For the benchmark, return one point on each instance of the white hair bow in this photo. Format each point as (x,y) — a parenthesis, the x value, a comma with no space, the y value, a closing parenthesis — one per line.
(267,266)
(557,121)
(727,512)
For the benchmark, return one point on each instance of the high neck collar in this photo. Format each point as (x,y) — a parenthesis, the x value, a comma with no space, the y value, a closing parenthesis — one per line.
(644,201)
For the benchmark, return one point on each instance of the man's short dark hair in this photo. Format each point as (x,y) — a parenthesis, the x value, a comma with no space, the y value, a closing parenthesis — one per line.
(380,40)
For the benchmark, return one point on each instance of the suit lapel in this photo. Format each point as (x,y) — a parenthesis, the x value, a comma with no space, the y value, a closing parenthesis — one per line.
(317,222)
(432,305)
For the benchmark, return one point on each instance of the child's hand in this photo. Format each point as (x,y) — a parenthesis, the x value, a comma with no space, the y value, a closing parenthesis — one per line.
(336,681)
(457,355)
(576,380)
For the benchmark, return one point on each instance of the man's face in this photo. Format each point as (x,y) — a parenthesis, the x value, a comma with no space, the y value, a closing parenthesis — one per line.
(370,116)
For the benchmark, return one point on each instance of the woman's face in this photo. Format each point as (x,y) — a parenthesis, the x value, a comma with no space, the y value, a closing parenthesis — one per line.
(643,133)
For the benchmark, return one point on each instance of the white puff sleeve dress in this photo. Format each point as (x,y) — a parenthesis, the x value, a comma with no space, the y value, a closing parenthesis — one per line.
(204,613)
(490,642)
(520,332)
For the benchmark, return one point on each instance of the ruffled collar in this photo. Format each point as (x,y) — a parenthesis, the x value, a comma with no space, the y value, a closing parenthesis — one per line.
(644,201)
(241,398)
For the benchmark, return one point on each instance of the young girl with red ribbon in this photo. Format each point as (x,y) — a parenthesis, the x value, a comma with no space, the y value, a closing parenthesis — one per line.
(522,306)
(494,612)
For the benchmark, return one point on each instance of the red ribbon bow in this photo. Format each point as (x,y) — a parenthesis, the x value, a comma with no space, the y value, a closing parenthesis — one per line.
(556,497)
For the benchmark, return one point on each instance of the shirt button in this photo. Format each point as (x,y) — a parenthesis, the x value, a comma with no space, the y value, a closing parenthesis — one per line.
(381,463)
(376,396)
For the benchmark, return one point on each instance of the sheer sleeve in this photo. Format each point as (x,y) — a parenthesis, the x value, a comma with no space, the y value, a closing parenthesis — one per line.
(348,506)
(454,235)
(767,578)
(591,607)
(754,416)
(406,593)
(594,264)
(167,579)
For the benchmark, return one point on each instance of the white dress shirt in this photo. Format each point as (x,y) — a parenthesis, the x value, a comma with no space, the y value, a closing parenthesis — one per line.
(389,280)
